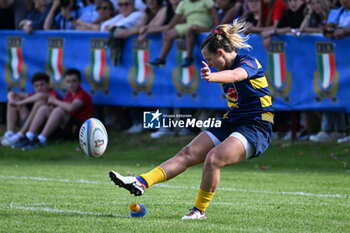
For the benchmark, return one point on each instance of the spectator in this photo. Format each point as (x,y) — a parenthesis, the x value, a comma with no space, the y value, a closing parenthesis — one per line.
(252,16)
(105,11)
(291,19)
(198,14)
(14,11)
(316,14)
(65,119)
(229,10)
(19,109)
(63,20)
(162,20)
(332,127)
(338,23)
(36,18)
(272,11)
(88,11)
(127,17)
(149,17)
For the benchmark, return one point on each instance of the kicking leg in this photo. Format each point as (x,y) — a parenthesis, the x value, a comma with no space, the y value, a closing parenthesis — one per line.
(192,154)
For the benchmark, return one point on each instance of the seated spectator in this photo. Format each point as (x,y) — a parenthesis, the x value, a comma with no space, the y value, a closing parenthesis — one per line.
(21,107)
(105,11)
(252,16)
(63,20)
(198,15)
(65,119)
(36,18)
(291,19)
(162,20)
(338,23)
(229,10)
(127,17)
(149,17)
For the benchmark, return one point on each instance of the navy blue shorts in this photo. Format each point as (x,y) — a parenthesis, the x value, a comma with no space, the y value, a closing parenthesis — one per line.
(257,132)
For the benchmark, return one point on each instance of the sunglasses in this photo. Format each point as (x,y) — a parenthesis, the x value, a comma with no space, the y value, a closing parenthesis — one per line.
(102,8)
(123,4)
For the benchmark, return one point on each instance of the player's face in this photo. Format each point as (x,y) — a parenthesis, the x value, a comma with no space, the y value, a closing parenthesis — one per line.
(73,83)
(215,60)
(41,86)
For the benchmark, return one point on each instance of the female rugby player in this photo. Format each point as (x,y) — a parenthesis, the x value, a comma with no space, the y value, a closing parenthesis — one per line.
(245,130)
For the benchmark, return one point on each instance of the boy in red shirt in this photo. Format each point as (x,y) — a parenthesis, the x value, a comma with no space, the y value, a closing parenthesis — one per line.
(65,119)
(21,107)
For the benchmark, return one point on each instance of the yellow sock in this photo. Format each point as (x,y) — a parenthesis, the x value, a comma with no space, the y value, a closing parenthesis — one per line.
(203,199)
(157,175)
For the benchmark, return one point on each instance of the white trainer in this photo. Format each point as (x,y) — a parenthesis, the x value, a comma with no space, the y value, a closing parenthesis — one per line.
(344,139)
(130,183)
(322,136)
(195,214)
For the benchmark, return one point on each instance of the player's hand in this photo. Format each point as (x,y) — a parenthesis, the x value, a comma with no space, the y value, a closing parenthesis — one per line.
(205,72)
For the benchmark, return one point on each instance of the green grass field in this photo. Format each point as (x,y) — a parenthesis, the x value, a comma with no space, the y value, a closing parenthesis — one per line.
(305,187)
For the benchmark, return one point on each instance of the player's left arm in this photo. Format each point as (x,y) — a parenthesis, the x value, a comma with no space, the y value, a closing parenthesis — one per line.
(225,76)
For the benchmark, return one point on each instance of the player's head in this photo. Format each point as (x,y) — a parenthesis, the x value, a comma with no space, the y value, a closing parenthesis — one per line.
(41,82)
(73,79)
(226,38)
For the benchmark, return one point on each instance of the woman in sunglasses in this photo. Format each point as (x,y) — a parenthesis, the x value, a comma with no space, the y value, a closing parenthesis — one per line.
(150,16)
(127,17)
(105,11)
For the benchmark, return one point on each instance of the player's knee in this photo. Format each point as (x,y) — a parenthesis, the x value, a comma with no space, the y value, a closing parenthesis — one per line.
(213,159)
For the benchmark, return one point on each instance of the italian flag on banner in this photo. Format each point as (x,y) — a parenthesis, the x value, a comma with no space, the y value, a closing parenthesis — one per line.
(140,58)
(97,64)
(186,74)
(326,68)
(54,62)
(15,61)
(277,65)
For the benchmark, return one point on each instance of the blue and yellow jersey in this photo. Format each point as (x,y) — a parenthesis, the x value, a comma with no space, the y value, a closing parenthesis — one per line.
(249,98)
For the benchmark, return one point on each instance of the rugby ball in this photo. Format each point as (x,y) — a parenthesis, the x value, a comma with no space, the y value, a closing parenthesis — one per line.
(93,137)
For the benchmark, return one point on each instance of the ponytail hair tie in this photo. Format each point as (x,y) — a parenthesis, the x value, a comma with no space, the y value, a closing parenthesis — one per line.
(217,31)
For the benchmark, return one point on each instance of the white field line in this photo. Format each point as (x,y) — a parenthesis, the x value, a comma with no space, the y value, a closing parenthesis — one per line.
(64,211)
(181,187)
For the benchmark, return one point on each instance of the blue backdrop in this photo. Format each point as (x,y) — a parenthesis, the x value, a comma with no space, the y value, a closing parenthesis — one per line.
(308,72)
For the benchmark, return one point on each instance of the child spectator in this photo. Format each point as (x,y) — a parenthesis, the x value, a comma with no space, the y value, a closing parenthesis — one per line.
(63,20)
(21,107)
(36,18)
(198,14)
(316,14)
(65,119)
